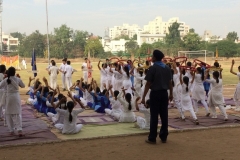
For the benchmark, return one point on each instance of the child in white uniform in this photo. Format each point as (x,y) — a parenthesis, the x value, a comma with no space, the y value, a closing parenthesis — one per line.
(236,97)
(127,84)
(13,101)
(128,103)
(144,123)
(85,70)
(198,93)
(53,72)
(2,91)
(104,78)
(115,104)
(186,102)
(215,98)
(62,70)
(70,125)
(68,75)
(118,77)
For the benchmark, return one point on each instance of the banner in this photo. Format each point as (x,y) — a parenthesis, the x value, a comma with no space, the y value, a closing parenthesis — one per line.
(12,61)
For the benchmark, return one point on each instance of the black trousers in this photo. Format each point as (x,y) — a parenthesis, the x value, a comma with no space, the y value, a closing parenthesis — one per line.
(158,106)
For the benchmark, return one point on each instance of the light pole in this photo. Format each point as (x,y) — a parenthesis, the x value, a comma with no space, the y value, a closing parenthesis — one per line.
(1,48)
(47,34)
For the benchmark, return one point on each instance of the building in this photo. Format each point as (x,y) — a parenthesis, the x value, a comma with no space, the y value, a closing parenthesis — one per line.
(9,43)
(149,38)
(158,26)
(209,37)
(114,46)
(125,29)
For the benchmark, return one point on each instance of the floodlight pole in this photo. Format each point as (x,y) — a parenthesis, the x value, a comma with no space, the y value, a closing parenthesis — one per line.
(47,34)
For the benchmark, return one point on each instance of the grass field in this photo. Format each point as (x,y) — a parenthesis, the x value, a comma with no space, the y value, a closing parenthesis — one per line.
(228,78)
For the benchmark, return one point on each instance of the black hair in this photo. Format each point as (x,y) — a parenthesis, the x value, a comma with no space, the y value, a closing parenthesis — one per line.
(50,93)
(148,103)
(60,96)
(52,60)
(11,72)
(64,59)
(177,64)
(98,90)
(2,68)
(186,81)
(53,63)
(189,64)
(172,76)
(126,69)
(169,65)
(216,64)
(238,67)
(216,75)
(78,81)
(70,106)
(115,64)
(107,59)
(104,91)
(201,71)
(85,58)
(183,72)
(147,63)
(128,98)
(37,84)
(146,71)
(116,93)
(68,62)
(158,55)
(45,90)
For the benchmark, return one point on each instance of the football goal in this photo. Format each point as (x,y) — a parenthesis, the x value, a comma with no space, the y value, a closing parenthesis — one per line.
(203,55)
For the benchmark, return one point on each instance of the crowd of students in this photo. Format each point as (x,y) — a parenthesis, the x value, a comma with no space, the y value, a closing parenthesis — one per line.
(118,94)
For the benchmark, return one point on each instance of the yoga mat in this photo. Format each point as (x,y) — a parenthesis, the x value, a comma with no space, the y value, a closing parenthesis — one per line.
(34,129)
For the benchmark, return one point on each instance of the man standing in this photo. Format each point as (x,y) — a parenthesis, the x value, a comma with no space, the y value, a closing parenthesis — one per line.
(85,70)
(159,80)
(62,69)
(53,72)
(68,75)
(24,64)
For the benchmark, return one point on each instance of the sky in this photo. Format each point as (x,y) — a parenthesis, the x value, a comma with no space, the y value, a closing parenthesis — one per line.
(94,16)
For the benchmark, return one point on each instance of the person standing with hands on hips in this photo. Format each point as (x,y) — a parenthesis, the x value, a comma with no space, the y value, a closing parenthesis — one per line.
(159,80)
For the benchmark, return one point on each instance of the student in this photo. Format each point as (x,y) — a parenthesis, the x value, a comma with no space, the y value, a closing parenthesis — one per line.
(116,111)
(138,79)
(85,70)
(127,116)
(236,97)
(2,91)
(70,125)
(198,90)
(24,64)
(13,101)
(127,83)
(215,98)
(68,75)
(186,102)
(144,123)
(118,77)
(77,91)
(87,98)
(103,73)
(206,86)
(62,69)
(53,72)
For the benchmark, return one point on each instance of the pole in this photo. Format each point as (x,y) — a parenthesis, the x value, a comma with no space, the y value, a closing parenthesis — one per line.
(47,34)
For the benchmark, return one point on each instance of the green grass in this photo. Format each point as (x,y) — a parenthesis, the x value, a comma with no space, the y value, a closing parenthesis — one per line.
(228,78)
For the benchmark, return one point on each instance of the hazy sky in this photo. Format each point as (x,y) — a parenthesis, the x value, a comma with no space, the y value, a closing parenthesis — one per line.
(219,16)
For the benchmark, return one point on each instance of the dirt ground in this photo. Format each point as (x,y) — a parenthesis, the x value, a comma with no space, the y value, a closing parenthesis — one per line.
(215,144)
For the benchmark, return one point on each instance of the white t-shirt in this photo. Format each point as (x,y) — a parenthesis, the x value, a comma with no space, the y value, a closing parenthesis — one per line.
(62,67)
(68,70)
(53,70)
(84,66)
(23,62)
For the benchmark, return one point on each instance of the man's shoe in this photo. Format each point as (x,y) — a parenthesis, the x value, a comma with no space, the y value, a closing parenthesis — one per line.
(150,142)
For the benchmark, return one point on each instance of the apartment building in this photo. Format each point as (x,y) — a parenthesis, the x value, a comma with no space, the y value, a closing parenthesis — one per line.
(10,42)
(125,29)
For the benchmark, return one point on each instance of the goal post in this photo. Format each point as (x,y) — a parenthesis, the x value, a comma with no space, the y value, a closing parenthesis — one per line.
(197,54)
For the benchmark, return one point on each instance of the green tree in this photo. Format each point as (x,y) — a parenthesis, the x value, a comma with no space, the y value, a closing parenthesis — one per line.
(134,37)
(94,47)
(63,39)
(232,36)
(79,42)
(126,37)
(144,49)
(18,35)
(227,48)
(4,46)
(13,47)
(173,36)
(35,40)
(131,48)
(192,41)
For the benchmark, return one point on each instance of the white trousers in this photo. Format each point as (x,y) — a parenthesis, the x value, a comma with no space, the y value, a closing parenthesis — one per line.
(53,82)
(85,76)
(63,81)
(68,82)
(52,116)
(14,119)
(77,129)
(222,109)
(192,113)
(204,103)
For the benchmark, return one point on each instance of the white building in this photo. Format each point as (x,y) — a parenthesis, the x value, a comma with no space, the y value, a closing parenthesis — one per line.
(125,29)
(209,37)
(149,38)
(114,46)
(158,26)
(10,41)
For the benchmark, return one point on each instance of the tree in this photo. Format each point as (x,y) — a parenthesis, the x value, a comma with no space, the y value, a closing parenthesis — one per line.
(232,36)
(227,48)
(13,48)
(4,46)
(35,40)
(145,49)
(79,42)
(63,39)
(18,35)
(192,41)
(126,37)
(134,37)
(94,47)
(174,34)
(131,48)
